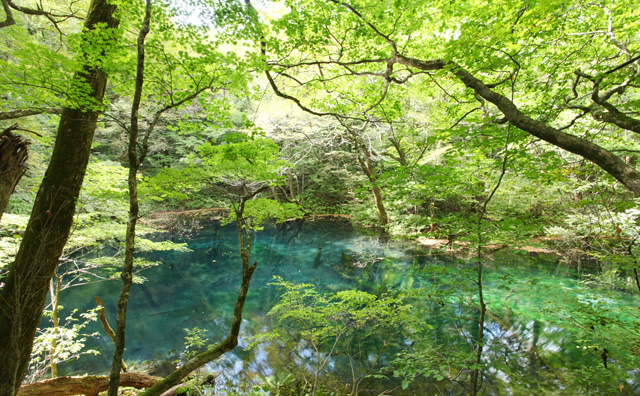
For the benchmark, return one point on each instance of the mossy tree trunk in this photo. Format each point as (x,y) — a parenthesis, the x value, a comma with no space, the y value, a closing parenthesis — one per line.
(23,297)
(85,385)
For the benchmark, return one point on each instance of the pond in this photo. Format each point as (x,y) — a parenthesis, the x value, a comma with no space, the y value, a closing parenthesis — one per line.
(540,334)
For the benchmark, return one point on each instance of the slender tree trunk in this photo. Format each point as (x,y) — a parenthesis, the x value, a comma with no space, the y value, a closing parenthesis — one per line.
(134,163)
(476,373)
(368,169)
(13,158)
(402,155)
(292,189)
(23,296)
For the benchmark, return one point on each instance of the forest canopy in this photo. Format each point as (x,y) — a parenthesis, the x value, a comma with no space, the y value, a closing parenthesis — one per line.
(474,128)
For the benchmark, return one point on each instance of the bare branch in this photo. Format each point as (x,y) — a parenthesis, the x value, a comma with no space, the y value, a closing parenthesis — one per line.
(52,16)
(464,116)
(573,121)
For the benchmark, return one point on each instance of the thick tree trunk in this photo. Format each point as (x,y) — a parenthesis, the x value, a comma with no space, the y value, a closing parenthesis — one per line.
(13,158)
(23,296)
(87,385)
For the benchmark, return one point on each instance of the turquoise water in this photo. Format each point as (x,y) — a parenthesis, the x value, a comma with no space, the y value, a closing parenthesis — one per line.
(199,288)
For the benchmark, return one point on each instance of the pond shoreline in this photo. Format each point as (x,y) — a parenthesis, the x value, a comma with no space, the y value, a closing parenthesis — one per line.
(169,220)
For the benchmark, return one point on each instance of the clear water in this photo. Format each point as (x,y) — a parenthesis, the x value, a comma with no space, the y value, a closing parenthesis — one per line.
(199,288)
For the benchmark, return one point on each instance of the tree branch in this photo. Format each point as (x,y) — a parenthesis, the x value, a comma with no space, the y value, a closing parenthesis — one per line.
(12,114)
(54,17)
(9,15)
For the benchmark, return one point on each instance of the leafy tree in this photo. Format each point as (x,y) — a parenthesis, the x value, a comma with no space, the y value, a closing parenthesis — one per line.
(23,295)
(341,323)
(392,45)
(195,69)
(239,170)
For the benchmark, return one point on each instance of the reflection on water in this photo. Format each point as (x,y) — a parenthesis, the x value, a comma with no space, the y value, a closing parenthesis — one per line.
(199,288)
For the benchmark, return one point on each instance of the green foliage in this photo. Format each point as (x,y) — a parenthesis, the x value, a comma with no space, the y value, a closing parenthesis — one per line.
(436,148)
(194,341)
(349,311)
(339,324)
(10,238)
(260,210)
(70,339)
(274,384)
(243,159)
(233,172)
(426,361)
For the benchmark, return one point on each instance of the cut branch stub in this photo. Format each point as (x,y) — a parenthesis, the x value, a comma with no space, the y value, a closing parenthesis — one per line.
(13,158)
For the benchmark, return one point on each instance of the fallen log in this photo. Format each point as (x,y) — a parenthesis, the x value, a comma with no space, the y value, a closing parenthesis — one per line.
(89,385)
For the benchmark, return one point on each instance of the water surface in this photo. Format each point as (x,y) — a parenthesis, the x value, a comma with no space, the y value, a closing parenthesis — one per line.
(199,289)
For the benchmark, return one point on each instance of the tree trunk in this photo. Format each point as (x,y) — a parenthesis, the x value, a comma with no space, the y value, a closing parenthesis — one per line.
(13,158)
(367,168)
(134,163)
(23,296)
(107,328)
(402,155)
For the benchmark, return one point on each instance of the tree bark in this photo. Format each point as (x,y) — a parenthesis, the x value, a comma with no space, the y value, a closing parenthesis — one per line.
(402,155)
(107,328)
(87,385)
(368,169)
(23,296)
(13,158)
(9,20)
